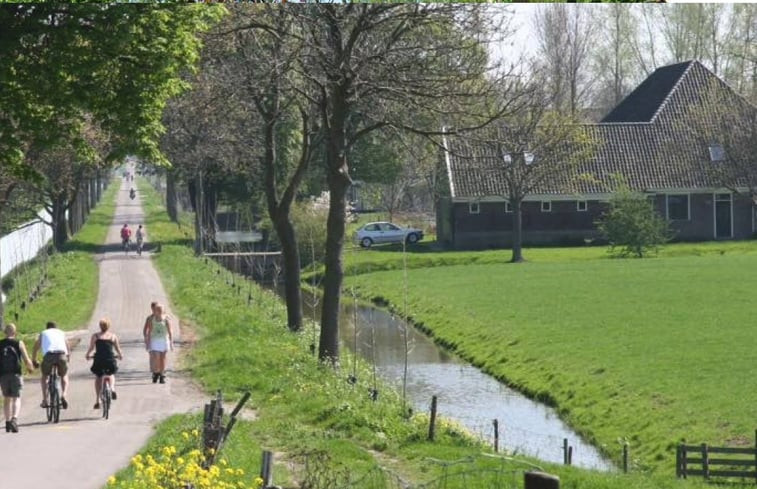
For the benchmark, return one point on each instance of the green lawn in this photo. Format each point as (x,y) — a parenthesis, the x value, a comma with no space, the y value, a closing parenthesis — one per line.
(654,351)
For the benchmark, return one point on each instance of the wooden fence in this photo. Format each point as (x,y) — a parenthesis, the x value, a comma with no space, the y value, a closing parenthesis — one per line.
(706,461)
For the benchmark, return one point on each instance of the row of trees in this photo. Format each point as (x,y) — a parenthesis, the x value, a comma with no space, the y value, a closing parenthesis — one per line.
(590,58)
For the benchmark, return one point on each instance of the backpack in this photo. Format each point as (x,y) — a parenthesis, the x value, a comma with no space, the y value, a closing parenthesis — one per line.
(10,362)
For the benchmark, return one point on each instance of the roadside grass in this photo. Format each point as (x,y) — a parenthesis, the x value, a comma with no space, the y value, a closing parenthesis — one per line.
(652,351)
(69,293)
(308,411)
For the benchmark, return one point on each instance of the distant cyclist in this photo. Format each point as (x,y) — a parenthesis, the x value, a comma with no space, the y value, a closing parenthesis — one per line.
(55,351)
(125,236)
(140,234)
(107,349)
(132,193)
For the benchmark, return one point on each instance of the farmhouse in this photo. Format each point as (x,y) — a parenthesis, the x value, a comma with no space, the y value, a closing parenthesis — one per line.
(644,140)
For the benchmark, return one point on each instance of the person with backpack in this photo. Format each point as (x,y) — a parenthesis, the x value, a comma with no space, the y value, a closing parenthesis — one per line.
(12,351)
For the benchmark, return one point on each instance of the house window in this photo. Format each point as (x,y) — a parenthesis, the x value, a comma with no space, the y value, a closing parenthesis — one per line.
(717,153)
(508,207)
(474,208)
(582,206)
(678,207)
(546,206)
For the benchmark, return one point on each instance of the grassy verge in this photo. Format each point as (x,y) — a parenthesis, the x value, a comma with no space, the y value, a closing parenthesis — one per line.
(652,351)
(69,290)
(306,409)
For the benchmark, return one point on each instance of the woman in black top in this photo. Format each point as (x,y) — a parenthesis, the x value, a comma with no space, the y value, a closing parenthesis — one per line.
(103,344)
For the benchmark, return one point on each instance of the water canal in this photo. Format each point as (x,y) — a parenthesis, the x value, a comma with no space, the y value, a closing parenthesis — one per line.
(464,393)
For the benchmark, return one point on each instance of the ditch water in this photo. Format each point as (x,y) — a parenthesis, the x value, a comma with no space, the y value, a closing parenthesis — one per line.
(464,393)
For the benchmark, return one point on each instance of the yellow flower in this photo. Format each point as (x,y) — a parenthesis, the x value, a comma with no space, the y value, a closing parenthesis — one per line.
(111,481)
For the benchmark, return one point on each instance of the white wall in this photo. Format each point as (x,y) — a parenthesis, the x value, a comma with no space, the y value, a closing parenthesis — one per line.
(23,245)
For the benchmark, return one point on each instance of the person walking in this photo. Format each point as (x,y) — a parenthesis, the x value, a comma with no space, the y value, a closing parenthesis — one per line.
(107,349)
(158,340)
(12,351)
(55,351)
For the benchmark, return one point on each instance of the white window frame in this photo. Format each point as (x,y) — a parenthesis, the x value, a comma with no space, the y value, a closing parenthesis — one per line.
(688,207)
(548,207)
(585,203)
(472,206)
(508,207)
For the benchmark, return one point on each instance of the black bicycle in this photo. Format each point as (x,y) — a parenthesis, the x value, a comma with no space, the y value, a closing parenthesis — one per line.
(53,395)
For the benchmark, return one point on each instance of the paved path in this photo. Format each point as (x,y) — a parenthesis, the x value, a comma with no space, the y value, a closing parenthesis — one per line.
(83,450)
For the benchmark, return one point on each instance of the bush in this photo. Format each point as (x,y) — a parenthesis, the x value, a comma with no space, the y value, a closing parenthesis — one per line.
(632,226)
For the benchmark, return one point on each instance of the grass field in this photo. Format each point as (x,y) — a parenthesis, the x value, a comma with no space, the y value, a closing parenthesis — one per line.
(653,351)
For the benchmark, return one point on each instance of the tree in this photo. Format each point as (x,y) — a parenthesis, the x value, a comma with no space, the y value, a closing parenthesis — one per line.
(372,66)
(118,64)
(631,224)
(564,35)
(613,56)
(532,148)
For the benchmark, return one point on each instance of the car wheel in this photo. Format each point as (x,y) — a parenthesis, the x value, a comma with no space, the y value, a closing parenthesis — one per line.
(366,242)
(412,238)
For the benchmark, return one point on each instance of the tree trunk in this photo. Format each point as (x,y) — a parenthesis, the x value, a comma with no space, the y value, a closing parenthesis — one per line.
(171,198)
(517,231)
(328,349)
(98,186)
(291,254)
(59,224)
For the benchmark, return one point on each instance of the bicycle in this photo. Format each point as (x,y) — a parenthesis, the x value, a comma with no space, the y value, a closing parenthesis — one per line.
(126,245)
(140,242)
(53,395)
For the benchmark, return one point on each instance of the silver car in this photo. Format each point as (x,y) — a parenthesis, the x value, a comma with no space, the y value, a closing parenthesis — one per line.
(386,232)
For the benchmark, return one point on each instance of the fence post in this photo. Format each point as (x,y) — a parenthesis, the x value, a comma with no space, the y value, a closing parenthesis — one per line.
(540,480)
(684,464)
(432,421)
(266,468)
(625,457)
(496,436)
(705,461)
(678,461)
(570,455)
(565,451)
(755,454)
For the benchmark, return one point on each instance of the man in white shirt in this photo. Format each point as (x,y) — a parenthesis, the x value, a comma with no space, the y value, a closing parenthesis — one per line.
(55,351)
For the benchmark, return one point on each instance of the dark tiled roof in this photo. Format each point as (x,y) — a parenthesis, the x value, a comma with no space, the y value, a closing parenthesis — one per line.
(645,101)
(649,155)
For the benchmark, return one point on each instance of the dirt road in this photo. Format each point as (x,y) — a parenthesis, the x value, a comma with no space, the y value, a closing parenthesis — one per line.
(83,450)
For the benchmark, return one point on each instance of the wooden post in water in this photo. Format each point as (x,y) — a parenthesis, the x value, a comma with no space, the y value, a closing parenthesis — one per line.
(432,420)
(565,451)
(496,436)
(625,458)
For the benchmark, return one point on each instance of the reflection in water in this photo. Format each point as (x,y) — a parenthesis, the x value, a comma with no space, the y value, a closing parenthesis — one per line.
(464,393)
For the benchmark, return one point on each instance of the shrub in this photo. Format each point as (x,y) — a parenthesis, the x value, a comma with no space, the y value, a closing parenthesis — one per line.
(631,225)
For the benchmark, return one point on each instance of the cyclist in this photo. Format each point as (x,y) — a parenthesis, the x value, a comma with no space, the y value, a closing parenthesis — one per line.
(55,351)
(125,236)
(104,365)
(140,238)
(132,193)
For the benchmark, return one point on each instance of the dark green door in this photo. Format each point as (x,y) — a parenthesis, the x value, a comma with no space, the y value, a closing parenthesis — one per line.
(723,216)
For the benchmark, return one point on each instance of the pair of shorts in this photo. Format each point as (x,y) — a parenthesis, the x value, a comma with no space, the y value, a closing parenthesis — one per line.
(106,367)
(51,359)
(11,385)
(159,344)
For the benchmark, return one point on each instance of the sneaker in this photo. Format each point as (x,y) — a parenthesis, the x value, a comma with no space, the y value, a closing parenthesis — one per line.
(113,395)
(14,425)
(63,403)
(155,378)
(162,379)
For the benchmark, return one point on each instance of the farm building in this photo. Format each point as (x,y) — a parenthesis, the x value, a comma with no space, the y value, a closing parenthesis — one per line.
(639,140)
